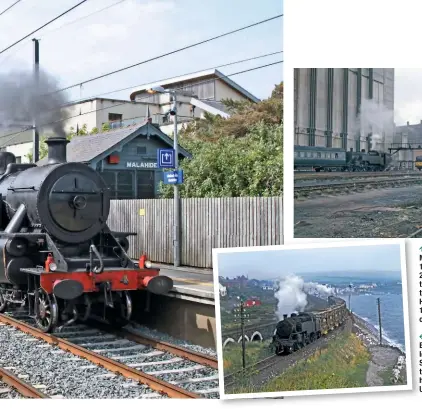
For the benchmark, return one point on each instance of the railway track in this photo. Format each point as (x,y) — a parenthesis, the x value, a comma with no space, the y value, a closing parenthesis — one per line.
(15,386)
(347,175)
(368,183)
(260,372)
(152,368)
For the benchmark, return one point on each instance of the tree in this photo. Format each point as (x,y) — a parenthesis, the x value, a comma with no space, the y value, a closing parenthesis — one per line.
(231,167)
(238,156)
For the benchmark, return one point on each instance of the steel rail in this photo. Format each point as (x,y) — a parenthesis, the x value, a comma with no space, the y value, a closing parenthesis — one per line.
(22,387)
(154,383)
(357,183)
(170,348)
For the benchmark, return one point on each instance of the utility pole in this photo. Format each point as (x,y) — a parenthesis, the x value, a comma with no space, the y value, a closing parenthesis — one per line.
(36,137)
(176,199)
(242,330)
(379,319)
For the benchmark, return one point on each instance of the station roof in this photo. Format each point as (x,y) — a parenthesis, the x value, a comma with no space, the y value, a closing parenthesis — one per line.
(198,75)
(90,148)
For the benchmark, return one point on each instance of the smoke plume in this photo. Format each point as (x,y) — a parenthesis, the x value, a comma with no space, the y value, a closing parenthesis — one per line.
(23,100)
(376,119)
(292,294)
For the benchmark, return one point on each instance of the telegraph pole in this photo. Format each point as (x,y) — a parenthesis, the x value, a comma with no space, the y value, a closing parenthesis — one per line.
(379,319)
(242,330)
(36,137)
(176,199)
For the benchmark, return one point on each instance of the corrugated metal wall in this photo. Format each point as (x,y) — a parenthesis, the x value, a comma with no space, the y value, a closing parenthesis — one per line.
(205,224)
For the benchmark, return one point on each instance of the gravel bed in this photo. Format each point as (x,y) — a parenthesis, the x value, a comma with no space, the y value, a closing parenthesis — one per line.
(131,353)
(10,394)
(374,214)
(117,349)
(62,374)
(141,330)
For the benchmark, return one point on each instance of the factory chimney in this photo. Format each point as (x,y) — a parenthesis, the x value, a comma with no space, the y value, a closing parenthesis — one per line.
(56,150)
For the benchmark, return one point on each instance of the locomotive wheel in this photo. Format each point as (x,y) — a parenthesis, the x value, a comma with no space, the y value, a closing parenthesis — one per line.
(3,302)
(278,350)
(312,338)
(46,310)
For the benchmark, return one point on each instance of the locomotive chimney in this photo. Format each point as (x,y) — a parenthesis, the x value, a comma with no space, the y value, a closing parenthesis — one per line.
(284,316)
(56,150)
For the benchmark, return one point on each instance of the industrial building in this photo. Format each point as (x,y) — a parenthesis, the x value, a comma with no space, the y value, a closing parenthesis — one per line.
(349,108)
(204,92)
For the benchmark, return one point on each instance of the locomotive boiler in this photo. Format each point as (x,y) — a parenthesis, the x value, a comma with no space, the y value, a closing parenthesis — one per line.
(59,257)
(294,332)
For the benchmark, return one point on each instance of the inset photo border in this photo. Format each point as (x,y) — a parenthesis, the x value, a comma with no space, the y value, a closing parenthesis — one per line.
(305,319)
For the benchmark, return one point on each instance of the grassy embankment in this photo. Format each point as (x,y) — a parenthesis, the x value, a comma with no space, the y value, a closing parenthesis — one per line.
(341,364)
(255,351)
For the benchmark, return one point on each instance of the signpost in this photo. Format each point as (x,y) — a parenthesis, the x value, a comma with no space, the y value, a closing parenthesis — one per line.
(173,178)
(166,158)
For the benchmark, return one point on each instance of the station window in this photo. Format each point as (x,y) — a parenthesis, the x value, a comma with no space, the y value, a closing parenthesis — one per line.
(318,154)
(302,154)
(336,155)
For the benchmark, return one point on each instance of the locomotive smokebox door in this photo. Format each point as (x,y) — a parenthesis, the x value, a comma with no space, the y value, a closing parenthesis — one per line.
(160,285)
(68,289)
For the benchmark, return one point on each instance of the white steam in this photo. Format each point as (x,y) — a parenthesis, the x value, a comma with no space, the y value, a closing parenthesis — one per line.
(376,119)
(292,294)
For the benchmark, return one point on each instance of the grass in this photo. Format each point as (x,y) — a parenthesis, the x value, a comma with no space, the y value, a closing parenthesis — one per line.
(342,364)
(255,351)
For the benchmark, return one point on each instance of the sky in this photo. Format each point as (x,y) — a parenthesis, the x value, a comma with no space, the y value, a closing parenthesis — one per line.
(408,95)
(136,30)
(268,264)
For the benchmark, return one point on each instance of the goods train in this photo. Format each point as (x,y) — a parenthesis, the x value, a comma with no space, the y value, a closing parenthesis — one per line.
(59,257)
(298,330)
(337,159)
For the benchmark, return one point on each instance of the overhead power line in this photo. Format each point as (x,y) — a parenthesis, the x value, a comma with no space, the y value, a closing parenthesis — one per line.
(14,4)
(170,53)
(13,135)
(169,78)
(47,33)
(44,25)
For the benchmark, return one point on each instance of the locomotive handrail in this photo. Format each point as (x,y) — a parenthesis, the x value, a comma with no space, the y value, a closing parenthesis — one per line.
(97,269)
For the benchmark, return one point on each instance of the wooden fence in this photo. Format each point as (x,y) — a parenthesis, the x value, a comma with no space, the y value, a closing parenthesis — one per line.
(204,223)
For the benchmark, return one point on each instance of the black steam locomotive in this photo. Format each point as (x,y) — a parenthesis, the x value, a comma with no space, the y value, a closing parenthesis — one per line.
(298,330)
(320,159)
(59,257)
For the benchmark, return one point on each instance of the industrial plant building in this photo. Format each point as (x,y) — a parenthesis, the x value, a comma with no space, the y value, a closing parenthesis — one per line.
(349,108)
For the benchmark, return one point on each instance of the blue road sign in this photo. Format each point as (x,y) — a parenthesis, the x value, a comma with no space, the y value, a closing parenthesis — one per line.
(173,178)
(165,158)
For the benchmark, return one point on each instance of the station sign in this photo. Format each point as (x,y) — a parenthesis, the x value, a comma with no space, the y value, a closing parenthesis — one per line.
(173,178)
(142,165)
(165,158)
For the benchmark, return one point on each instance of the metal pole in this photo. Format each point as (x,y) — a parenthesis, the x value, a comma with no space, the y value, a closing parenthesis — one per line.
(379,319)
(36,137)
(350,298)
(242,329)
(176,211)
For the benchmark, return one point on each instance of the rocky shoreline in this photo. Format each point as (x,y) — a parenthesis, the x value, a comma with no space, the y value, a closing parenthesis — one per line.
(388,362)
